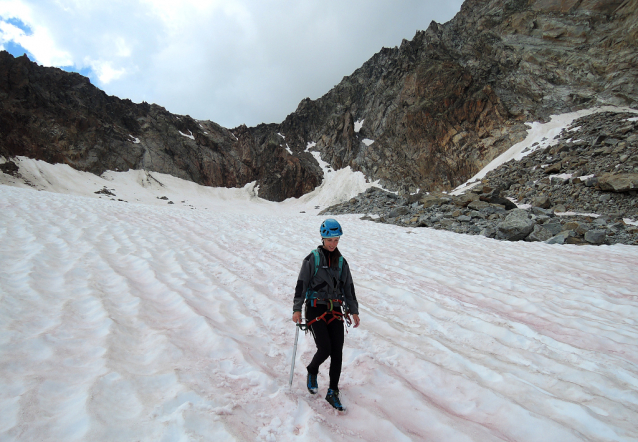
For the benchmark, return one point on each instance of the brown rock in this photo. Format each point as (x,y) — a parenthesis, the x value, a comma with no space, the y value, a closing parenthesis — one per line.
(434,200)
(478,205)
(542,201)
(554,168)
(465,199)
(562,6)
(622,182)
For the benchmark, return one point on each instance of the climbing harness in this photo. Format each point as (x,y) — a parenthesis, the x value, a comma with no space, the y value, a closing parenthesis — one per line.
(335,315)
(331,314)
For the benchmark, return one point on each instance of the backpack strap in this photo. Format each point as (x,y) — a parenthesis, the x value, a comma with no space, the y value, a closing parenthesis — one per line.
(310,295)
(315,252)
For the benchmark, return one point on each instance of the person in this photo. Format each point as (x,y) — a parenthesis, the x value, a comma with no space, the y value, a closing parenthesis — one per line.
(328,293)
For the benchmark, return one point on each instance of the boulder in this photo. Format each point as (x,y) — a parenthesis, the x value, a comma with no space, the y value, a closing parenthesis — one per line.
(495,197)
(601,221)
(561,237)
(424,221)
(398,212)
(11,168)
(621,182)
(596,236)
(555,228)
(571,225)
(554,168)
(416,197)
(591,181)
(542,201)
(488,232)
(542,212)
(447,222)
(539,234)
(434,201)
(559,179)
(465,199)
(515,226)
(579,228)
(478,205)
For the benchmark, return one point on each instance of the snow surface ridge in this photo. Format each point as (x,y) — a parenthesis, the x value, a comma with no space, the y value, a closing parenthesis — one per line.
(542,133)
(145,322)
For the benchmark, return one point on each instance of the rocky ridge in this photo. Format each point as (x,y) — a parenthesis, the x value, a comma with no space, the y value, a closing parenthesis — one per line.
(433,112)
(60,117)
(588,176)
(428,114)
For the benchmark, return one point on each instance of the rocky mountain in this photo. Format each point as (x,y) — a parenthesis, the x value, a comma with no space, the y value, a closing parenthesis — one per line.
(443,105)
(591,170)
(60,117)
(426,115)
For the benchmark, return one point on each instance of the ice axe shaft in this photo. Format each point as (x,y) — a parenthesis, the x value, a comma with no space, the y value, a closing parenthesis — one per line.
(294,355)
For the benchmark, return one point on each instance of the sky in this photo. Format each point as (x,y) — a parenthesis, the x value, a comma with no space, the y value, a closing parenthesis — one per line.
(146,320)
(230,61)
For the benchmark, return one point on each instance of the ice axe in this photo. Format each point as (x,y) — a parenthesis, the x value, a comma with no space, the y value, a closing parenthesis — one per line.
(294,352)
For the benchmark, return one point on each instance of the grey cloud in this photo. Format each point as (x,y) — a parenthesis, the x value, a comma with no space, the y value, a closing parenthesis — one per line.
(236,68)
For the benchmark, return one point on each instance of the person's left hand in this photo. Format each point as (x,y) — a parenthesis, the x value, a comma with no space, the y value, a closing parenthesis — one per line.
(355,318)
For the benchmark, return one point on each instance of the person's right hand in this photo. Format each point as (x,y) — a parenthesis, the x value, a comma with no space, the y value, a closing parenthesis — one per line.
(296,317)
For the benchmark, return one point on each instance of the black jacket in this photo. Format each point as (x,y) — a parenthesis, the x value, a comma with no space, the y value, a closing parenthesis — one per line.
(326,282)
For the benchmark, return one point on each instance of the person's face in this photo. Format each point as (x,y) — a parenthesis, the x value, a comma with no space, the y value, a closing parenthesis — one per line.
(330,243)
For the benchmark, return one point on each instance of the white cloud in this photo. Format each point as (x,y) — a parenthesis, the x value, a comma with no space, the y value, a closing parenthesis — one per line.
(39,42)
(233,62)
(43,46)
(104,71)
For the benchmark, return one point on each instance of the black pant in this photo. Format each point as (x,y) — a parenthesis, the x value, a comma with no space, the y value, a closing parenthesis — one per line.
(329,339)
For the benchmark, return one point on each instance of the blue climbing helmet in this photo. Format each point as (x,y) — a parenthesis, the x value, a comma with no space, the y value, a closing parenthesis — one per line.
(330,228)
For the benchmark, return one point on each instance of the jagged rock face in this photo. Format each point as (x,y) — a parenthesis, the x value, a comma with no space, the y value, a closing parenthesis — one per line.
(59,117)
(588,173)
(443,105)
(428,114)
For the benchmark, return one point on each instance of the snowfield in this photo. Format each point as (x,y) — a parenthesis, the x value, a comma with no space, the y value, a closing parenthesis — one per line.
(150,321)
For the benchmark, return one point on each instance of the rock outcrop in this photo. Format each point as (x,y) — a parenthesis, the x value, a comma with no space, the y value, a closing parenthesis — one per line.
(584,175)
(437,109)
(426,115)
(60,117)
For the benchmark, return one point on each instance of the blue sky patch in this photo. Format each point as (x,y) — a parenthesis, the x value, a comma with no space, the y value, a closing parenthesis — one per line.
(16,50)
(87,72)
(12,47)
(19,24)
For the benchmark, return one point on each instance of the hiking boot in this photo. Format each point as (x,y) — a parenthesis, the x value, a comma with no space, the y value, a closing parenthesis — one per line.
(333,399)
(312,383)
